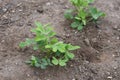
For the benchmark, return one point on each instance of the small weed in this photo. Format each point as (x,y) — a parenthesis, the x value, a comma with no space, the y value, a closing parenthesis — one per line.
(55,52)
(83,13)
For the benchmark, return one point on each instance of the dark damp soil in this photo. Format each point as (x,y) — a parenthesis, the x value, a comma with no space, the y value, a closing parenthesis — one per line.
(98,58)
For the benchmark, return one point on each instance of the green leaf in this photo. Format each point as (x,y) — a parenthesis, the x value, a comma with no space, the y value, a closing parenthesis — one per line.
(40,37)
(54,40)
(55,61)
(84,22)
(62,63)
(54,49)
(51,34)
(75,24)
(48,46)
(41,44)
(44,62)
(77,18)
(28,42)
(58,53)
(33,58)
(61,47)
(34,61)
(22,45)
(90,1)
(42,66)
(70,47)
(96,13)
(79,3)
(82,14)
(49,62)
(83,3)
(37,65)
(35,47)
(39,26)
(68,14)
(70,55)
(80,27)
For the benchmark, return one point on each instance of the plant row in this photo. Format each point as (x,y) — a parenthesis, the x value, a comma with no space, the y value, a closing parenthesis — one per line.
(55,52)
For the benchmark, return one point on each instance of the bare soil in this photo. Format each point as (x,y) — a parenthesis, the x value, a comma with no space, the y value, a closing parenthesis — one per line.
(98,58)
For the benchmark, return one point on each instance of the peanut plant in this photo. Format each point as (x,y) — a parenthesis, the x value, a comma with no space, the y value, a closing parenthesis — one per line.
(54,52)
(83,13)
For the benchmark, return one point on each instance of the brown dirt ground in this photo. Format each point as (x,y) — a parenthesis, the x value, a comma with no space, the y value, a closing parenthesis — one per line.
(98,58)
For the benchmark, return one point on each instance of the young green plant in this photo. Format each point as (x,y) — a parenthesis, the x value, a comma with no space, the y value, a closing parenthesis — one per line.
(83,13)
(54,52)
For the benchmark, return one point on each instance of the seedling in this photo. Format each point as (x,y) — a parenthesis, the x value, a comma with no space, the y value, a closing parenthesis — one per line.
(83,13)
(54,52)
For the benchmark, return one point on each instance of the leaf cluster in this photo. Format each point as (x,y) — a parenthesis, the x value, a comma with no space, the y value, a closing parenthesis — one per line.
(55,52)
(83,13)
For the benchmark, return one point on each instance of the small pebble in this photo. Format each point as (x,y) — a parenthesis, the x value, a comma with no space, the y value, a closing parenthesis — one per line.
(76,32)
(4,16)
(9,70)
(71,65)
(115,27)
(19,4)
(113,55)
(48,4)
(118,29)
(28,75)
(20,10)
(118,38)
(2,41)
(109,77)
(66,7)
(16,63)
(73,79)
(115,67)
(67,35)
(13,11)
(4,9)
(109,41)
(87,62)
(87,42)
